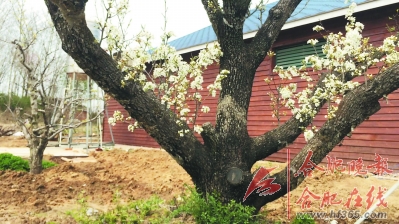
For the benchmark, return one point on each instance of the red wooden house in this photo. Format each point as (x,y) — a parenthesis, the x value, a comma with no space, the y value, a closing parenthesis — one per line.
(378,135)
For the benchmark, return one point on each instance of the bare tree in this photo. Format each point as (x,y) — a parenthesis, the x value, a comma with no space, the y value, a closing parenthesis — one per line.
(42,67)
(227,145)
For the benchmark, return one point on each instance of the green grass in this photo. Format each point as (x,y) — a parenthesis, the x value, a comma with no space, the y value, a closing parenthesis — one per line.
(10,162)
(48,164)
(134,212)
(211,210)
(191,208)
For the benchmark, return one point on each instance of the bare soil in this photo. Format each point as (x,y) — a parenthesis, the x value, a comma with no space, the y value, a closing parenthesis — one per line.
(138,174)
(12,141)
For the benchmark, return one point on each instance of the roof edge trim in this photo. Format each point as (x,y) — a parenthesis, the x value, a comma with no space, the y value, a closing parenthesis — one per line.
(320,17)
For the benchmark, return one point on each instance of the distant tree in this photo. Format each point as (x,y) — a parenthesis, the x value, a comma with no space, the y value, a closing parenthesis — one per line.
(227,145)
(42,64)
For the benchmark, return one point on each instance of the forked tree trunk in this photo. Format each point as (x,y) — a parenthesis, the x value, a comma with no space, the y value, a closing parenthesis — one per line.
(227,147)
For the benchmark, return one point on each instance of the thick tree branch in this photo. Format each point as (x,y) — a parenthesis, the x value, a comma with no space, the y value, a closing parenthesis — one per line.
(240,58)
(215,14)
(23,59)
(234,13)
(267,34)
(233,102)
(356,107)
(159,122)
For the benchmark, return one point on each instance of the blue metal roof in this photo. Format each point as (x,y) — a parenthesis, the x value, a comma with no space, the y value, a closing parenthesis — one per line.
(307,8)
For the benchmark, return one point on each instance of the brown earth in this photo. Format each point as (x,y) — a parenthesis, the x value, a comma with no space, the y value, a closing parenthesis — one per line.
(12,141)
(138,174)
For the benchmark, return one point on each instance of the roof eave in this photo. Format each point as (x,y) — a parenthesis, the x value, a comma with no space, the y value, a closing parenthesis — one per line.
(309,20)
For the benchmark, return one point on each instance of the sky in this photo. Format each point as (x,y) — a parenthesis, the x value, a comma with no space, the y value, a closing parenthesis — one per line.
(183,16)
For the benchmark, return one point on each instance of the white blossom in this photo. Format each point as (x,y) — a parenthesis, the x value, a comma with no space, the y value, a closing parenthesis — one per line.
(130,127)
(184,111)
(285,93)
(205,109)
(312,42)
(318,28)
(198,129)
(112,121)
(149,86)
(308,134)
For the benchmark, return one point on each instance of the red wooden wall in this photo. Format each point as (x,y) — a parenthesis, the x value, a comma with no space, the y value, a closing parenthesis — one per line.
(120,133)
(379,134)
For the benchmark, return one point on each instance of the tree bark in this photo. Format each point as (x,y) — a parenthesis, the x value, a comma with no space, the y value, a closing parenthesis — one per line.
(36,159)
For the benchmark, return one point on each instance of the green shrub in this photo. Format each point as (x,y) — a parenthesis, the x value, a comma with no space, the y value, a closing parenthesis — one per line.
(10,162)
(212,210)
(15,101)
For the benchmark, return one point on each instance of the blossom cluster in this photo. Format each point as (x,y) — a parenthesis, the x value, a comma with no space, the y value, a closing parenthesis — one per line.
(176,83)
(348,54)
(117,116)
(114,15)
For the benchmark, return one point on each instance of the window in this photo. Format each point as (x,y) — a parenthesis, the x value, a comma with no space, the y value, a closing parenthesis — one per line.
(294,54)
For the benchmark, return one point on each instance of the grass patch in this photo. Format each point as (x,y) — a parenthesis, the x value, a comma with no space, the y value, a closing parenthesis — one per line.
(48,164)
(210,210)
(134,212)
(191,208)
(10,162)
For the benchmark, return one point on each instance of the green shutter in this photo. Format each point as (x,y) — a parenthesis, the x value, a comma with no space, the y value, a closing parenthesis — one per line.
(294,54)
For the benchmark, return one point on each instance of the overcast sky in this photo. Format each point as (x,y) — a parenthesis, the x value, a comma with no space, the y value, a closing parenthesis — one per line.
(183,16)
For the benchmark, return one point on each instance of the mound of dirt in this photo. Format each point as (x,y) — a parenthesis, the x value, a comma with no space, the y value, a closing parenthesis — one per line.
(134,175)
(139,174)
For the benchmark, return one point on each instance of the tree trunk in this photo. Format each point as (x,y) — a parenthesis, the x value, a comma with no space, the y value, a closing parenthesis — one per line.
(223,163)
(36,156)
(229,179)
(35,162)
